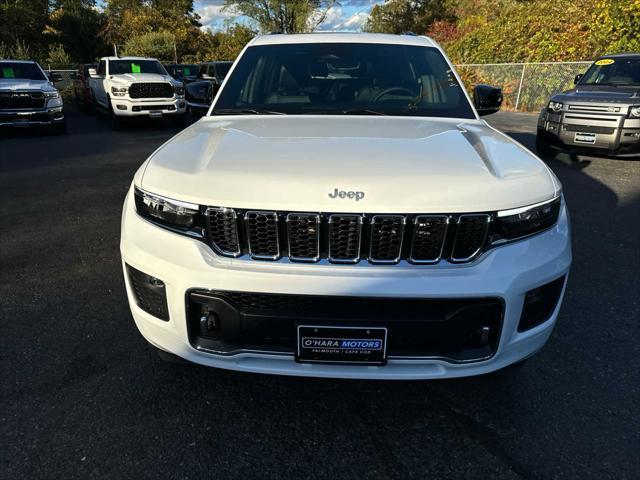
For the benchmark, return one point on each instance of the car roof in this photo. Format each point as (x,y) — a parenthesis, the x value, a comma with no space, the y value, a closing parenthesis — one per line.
(331,37)
(127,58)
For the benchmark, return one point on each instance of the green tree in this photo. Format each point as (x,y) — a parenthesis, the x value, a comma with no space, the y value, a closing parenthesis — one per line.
(399,16)
(284,16)
(24,21)
(158,45)
(76,24)
(57,57)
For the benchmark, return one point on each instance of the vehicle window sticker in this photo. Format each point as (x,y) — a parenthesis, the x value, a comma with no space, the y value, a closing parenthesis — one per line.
(135,68)
(185,71)
(8,73)
(605,61)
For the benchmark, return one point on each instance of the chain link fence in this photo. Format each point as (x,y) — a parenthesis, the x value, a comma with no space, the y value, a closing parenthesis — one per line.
(526,87)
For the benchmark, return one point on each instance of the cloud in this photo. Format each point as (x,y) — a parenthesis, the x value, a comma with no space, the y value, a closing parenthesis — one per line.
(348,15)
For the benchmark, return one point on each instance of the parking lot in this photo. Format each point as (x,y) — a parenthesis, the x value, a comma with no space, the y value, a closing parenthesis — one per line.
(84,396)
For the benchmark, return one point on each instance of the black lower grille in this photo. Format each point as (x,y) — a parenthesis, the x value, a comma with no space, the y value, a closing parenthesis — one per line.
(455,329)
(21,100)
(590,129)
(347,238)
(151,90)
(149,293)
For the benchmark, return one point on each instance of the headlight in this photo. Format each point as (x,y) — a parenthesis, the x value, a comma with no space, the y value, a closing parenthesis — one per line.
(119,91)
(173,214)
(520,222)
(555,106)
(634,112)
(50,95)
(178,89)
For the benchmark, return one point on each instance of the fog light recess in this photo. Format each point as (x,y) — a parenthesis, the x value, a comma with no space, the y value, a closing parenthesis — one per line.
(149,292)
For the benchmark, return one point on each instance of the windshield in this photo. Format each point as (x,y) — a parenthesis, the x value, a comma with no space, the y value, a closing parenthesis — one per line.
(119,67)
(613,71)
(344,78)
(27,71)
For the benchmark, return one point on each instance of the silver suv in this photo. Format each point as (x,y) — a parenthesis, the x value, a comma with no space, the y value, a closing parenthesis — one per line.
(600,115)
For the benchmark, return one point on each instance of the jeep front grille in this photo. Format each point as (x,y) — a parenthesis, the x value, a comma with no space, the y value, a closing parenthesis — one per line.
(151,90)
(18,100)
(347,238)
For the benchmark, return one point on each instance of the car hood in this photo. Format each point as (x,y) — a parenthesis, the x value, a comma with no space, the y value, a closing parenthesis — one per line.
(127,78)
(24,84)
(602,94)
(402,164)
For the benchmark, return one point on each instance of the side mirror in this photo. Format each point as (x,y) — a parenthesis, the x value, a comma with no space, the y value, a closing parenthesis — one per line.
(578,78)
(207,77)
(92,72)
(487,99)
(54,77)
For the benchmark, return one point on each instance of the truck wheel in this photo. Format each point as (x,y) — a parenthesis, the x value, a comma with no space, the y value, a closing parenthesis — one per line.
(542,146)
(116,122)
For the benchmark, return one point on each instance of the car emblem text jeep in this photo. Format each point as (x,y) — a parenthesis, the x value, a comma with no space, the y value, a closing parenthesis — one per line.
(344,194)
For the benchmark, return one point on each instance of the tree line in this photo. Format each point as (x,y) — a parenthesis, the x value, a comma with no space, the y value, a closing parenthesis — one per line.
(61,32)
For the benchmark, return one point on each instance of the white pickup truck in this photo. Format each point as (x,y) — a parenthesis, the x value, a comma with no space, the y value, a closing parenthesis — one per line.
(126,87)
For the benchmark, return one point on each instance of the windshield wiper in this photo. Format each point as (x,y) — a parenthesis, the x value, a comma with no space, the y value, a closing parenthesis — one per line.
(244,111)
(348,111)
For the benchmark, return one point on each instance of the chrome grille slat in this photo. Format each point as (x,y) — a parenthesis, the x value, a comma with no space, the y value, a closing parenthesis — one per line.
(471,235)
(429,236)
(345,238)
(262,235)
(387,235)
(303,231)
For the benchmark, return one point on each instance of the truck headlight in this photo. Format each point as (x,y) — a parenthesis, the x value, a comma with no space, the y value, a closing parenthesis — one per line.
(51,95)
(634,112)
(555,106)
(119,91)
(173,214)
(521,222)
(178,90)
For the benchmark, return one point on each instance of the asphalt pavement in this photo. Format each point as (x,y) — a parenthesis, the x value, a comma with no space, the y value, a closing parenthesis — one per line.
(84,396)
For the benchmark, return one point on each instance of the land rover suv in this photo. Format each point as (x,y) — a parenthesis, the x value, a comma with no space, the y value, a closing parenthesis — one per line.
(343,211)
(601,115)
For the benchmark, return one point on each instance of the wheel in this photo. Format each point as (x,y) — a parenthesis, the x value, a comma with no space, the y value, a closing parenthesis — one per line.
(542,146)
(116,122)
(179,120)
(60,128)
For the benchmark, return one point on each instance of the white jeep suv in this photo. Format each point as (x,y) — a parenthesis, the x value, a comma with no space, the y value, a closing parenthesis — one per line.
(127,87)
(342,211)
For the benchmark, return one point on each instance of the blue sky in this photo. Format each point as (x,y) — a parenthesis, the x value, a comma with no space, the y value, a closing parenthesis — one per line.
(349,15)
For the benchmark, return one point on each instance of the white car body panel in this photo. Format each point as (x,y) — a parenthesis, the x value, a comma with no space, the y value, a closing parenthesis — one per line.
(223,162)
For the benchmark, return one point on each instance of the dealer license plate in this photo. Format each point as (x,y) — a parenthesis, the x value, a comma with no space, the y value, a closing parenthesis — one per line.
(322,344)
(155,113)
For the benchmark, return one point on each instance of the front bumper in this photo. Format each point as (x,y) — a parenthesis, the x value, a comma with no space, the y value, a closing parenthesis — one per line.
(506,273)
(614,135)
(31,118)
(148,107)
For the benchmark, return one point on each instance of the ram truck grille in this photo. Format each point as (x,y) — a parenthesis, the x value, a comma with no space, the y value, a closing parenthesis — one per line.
(151,90)
(347,238)
(21,100)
